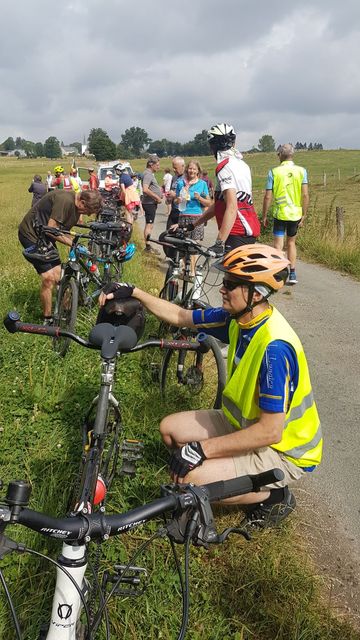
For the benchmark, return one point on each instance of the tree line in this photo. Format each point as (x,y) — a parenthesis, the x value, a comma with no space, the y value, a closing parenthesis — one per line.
(135,142)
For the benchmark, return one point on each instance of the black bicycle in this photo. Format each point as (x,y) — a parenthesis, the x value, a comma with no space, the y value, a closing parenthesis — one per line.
(191,521)
(81,279)
(190,380)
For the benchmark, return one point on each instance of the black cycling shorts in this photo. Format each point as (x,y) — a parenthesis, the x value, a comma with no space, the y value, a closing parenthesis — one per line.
(150,211)
(40,267)
(289,227)
(235,241)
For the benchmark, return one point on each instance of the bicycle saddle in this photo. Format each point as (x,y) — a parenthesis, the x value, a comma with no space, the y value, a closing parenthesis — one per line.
(112,339)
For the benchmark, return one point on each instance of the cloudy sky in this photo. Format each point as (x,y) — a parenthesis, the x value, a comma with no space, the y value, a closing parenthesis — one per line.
(174,68)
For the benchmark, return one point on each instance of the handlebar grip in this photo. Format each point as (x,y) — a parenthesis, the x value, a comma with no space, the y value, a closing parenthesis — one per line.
(267,477)
(11,320)
(12,324)
(245,484)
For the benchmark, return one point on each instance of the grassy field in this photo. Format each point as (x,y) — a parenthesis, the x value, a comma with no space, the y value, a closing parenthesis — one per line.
(263,590)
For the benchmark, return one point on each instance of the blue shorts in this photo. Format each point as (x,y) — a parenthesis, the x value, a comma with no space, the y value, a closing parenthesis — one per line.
(288,226)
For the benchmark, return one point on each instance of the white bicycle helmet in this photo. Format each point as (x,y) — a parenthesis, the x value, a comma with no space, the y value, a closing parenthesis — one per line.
(221,137)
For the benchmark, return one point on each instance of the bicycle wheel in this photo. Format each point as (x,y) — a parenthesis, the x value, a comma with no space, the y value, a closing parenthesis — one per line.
(193,380)
(66,311)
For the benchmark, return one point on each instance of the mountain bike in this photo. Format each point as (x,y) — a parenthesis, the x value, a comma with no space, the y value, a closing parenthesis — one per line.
(191,521)
(81,280)
(102,452)
(191,380)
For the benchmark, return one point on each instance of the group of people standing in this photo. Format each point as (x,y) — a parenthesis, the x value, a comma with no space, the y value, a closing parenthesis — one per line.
(192,202)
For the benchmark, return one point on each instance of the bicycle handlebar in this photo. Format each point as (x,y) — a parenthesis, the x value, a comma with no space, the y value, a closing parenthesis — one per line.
(84,527)
(105,226)
(13,324)
(187,245)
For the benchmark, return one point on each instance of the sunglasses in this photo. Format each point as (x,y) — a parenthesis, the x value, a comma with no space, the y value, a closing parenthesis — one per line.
(230,285)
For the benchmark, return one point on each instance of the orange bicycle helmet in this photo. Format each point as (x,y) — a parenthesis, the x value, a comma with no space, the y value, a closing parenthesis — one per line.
(256,264)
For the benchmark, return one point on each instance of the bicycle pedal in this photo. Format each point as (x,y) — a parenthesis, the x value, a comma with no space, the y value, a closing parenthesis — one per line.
(132,451)
(129,580)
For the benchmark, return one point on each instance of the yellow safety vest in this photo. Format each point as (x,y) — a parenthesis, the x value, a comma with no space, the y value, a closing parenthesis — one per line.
(288,179)
(301,441)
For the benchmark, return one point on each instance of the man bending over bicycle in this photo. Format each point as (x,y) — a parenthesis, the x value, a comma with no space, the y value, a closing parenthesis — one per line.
(268,417)
(62,210)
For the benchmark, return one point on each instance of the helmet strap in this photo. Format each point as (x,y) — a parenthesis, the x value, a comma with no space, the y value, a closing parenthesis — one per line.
(250,304)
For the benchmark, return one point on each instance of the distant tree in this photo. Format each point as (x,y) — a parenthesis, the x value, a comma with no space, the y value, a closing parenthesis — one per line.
(253,150)
(200,144)
(161,147)
(135,140)
(310,146)
(121,152)
(101,146)
(8,144)
(317,146)
(39,149)
(52,148)
(29,148)
(77,146)
(18,143)
(266,143)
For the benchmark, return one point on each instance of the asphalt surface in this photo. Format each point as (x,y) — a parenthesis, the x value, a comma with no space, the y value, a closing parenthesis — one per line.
(324,309)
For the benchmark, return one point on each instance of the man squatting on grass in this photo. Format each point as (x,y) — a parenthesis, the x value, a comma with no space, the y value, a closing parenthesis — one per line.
(268,417)
(62,210)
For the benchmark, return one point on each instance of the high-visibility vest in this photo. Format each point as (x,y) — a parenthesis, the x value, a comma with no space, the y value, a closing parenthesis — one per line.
(288,179)
(301,441)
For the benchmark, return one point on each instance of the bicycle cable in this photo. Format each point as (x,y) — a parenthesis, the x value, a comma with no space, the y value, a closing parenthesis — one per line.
(102,599)
(11,606)
(186,599)
(158,534)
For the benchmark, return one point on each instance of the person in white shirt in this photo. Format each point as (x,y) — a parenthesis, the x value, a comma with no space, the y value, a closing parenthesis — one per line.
(233,207)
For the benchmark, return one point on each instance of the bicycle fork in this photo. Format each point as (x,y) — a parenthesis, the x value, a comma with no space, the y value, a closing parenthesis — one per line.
(66,607)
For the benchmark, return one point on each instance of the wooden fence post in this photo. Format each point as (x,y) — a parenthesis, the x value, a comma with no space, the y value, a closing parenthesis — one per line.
(340,223)
(339,174)
(324,178)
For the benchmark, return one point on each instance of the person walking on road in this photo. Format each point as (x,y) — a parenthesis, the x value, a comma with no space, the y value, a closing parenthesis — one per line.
(152,196)
(61,209)
(233,207)
(268,417)
(287,184)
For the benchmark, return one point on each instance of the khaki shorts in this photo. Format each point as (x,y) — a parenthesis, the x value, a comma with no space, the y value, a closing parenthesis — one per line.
(256,461)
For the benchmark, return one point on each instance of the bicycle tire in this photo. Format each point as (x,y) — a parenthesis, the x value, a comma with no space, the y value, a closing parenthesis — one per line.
(203,378)
(65,317)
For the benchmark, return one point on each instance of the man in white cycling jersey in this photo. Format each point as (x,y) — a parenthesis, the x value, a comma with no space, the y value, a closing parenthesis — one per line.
(233,206)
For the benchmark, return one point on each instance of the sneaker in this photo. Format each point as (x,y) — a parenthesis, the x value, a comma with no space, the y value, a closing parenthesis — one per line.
(292,278)
(48,322)
(260,516)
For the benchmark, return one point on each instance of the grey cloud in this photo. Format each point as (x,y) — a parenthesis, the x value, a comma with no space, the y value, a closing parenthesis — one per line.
(280,68)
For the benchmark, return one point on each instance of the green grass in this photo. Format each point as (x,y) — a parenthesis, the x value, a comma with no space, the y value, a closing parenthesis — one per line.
(263,590)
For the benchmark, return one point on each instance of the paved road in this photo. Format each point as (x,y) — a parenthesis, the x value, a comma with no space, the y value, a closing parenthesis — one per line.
(324,309)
